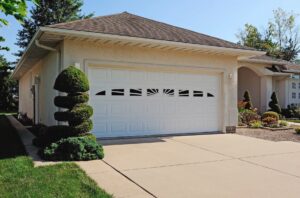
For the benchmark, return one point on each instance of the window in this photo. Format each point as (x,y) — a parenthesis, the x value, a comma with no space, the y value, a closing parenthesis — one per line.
(184,93)
(169,92)
(298,95)
(210,95)
(198,93)
(294,85)
(135,92)
(151,92)
(294,95)
(298,85)
(101,93)
(117,92)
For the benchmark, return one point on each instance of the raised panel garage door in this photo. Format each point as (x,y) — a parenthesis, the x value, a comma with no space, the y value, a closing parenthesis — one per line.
(138,103)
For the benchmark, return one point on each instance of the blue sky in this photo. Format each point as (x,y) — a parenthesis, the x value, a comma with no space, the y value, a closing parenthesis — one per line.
(220,18)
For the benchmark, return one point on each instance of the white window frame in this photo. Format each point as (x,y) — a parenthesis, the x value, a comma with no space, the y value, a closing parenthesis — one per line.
(294,95)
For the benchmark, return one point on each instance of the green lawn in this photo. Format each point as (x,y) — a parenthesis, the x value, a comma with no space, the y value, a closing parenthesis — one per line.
(18,177)
(295,121)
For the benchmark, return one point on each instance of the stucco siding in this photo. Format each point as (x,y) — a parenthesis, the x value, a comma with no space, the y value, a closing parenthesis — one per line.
(249,80)
(87,52)
(48,75)
(25,93)
(46,70)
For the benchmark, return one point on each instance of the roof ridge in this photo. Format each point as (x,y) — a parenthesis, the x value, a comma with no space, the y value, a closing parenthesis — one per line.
(86,19)
(148,19)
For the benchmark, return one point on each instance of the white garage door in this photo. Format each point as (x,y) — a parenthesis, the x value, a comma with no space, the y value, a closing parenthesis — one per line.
(137,103)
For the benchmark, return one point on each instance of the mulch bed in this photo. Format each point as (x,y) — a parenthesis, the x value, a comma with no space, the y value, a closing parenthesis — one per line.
(285,135)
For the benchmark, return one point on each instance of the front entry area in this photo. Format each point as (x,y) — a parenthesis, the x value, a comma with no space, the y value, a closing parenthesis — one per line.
(138,102)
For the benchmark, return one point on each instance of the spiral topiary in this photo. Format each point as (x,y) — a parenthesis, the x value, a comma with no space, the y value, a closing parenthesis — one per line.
(75,84)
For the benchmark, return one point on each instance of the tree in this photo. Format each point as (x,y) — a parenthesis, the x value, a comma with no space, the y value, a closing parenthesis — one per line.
(48,12)
(15,8)
(8,88)
(273,104)
(247,100)
(280,39)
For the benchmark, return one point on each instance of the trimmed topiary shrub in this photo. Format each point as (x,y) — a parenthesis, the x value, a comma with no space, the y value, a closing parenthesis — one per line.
(247,100)
(73,140)
(72,80)
(273,104)
(74,148)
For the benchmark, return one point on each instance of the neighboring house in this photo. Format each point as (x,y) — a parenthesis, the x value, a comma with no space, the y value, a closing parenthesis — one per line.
(146,77)
(262,75)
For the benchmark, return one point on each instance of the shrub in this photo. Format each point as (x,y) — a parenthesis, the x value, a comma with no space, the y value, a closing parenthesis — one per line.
(74,148)
(273,104)
(269,121)
(283,123)
(247,100)
(297,130)
(71,80)
(70,100)
(271,114)
(75,83)
(255,124)
(247,116)
(52,134)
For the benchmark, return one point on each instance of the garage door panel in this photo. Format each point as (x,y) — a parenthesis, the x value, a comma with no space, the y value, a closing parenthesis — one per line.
(162,105)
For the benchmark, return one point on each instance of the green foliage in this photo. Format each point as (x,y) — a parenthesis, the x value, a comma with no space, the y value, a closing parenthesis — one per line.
(52,134)
(15,8)
(8,87)
(273,104)
(247,116)
(48,12)
(71,100)
(269,121)
(72,80)
(283,123)
(297,130)
(83,127)
(80,113)
(279,39)
(255,124)
(74,148)
(247,100)
(271,114)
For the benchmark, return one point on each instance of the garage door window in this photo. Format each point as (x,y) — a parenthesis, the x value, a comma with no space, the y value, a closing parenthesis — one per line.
(184,93)
(152,92)
(210,95)
(117,92)
(101,93)
(198,93)
(135,92)
(169,92)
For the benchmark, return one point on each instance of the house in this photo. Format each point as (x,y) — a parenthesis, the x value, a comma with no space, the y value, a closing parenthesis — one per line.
(146,77)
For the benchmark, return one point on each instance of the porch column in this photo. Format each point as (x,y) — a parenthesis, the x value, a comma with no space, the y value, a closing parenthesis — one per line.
(265,92)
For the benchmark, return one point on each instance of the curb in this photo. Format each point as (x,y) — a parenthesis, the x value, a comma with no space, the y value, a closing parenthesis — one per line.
(26,137)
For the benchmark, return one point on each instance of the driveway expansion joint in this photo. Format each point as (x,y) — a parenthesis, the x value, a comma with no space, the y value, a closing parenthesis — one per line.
(131,180)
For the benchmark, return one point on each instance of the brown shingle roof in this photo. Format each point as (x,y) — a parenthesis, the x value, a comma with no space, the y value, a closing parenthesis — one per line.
(126,24)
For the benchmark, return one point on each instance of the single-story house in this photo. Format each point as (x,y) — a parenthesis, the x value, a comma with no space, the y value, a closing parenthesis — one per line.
(147,77)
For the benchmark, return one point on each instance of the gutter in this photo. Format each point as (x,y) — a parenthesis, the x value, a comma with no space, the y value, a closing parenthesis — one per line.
(260,61)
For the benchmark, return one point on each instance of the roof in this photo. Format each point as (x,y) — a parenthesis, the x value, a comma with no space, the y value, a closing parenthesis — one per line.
(126,24)
(277,64)
(124,29)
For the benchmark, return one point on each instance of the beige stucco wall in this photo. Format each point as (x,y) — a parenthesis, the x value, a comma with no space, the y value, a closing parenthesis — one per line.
(46,70)
(25,93)
(87,52)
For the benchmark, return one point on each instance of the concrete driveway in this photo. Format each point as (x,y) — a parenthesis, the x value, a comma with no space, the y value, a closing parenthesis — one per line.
(222,165)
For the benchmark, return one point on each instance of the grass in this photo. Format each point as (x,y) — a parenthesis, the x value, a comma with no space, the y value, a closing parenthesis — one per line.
(295,121)
(18,177)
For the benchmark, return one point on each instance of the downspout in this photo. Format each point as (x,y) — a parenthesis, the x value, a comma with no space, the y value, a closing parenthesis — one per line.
(38,44)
